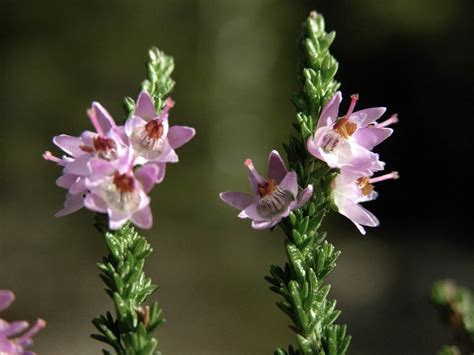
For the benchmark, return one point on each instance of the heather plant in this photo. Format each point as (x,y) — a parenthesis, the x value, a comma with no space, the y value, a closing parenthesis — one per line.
(111,172)
(332,166)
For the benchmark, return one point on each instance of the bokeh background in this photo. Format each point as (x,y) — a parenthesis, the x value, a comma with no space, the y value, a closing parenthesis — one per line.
(235,71)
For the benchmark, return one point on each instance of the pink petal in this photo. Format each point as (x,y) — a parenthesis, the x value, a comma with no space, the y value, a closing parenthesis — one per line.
(69,144)
(357,214)
(100,168)
(79,166)
(304,196)
(72,204)
(95,203)
(104,119)
(250,212)
(6,299)
(161,172)
(87,138)
(330,111)
(180,135)
(168,155)
(78,186)
(264,224)
(133,122)
(66,181)
(276,167)
(371,136)
(16,328)
(237,200)
(148,175)
(145,107)
(117,219)
(368,115)
(143,218)
(290,183)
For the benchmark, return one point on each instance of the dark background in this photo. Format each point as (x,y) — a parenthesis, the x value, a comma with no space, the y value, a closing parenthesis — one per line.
(235,71)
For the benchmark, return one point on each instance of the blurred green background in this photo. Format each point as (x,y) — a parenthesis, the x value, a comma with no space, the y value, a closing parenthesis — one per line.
(235,71)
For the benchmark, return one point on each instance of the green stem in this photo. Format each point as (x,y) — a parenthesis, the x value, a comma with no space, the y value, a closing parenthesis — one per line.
(301,282)
(131,331)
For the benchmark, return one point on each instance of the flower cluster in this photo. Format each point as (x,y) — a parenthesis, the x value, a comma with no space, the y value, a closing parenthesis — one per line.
(345,143)
(113,169)
(273,197)
(15,337)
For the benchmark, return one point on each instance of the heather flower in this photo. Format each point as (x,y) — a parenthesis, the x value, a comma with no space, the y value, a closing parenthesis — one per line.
(273,198)
(107,143)
(346,142)
(15,337)
(349,190)
(116,189)
(151,137)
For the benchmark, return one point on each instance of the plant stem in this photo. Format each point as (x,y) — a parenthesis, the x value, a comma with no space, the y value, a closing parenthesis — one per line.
(310,257)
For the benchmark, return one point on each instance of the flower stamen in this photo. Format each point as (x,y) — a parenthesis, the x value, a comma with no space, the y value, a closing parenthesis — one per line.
(393,175)
(391,120)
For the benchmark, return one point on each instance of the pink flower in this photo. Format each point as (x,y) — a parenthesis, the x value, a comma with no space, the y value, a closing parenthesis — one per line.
(107,143)
(15,337)
(273,197)
(349,190)
(151,137)
(116,189)
(346,142)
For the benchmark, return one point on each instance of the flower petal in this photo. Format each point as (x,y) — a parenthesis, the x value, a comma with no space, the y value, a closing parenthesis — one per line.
(276,167)
(79,166)
(180,135)
(371,136)
(304,196)
(104,119)
(145,107)
(15,328)
(69,144)
(147,175)
(161,172)
(330,111)
(290,183)
(250,212)
(95,203)
(133,122)
(357,214)
(66,181)
(264,224)
(99,168)
(6,299)
(237,200)
(72,204)
(117,219)
(143,218)
(368,115)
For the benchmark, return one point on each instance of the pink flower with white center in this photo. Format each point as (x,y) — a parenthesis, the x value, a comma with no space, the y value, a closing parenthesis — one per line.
(151,137)
(349,189)
(116,189)
(346,142)
(108,143)
(273,197)
(15,337)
